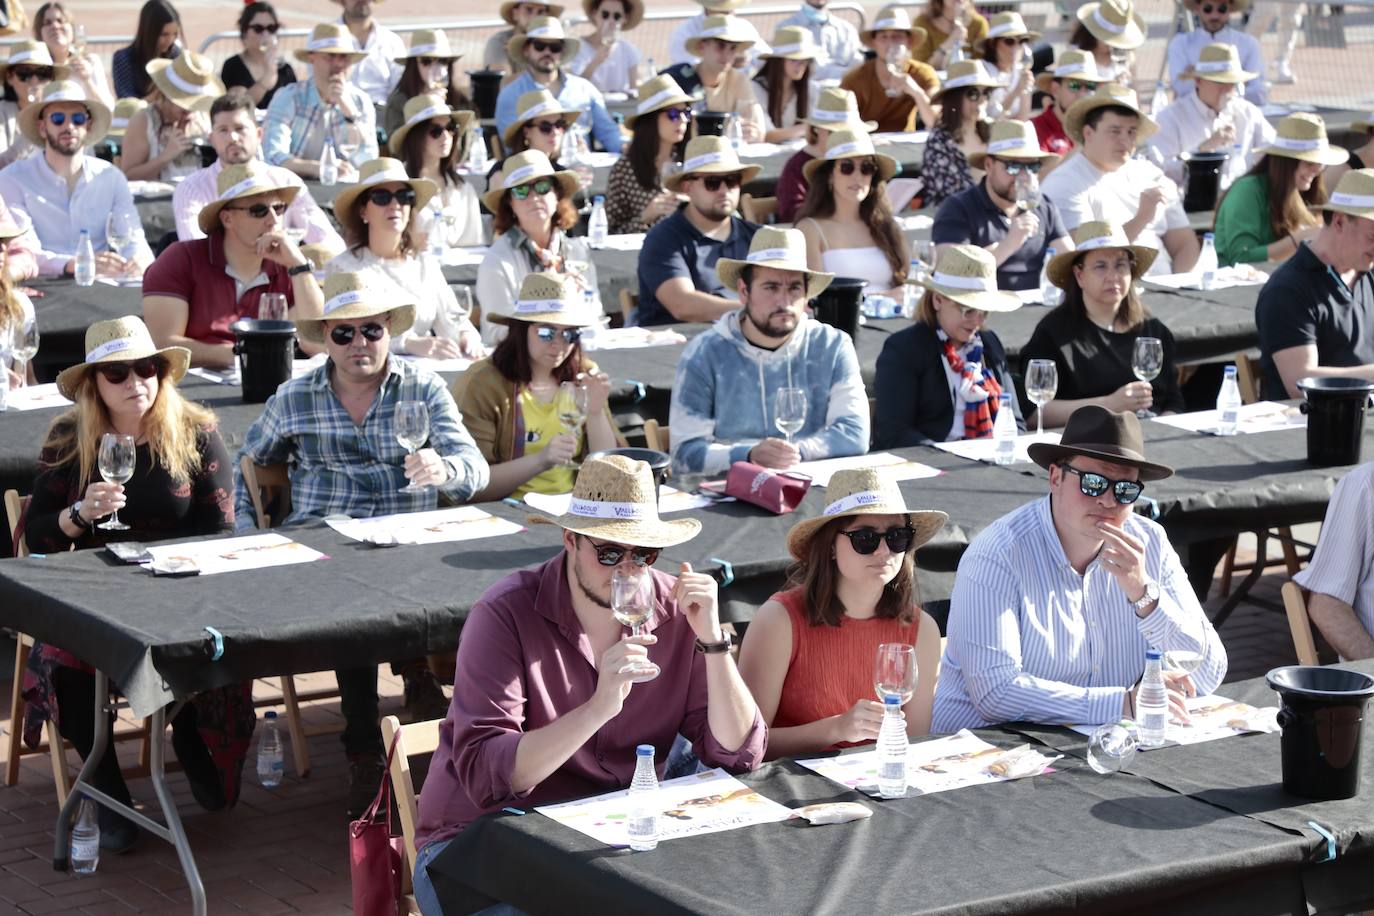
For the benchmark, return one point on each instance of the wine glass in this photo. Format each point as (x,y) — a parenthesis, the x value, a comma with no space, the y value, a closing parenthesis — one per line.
(571,404)
(23,347)
(412,431)
(1042,382)
(116,463)
(1027,190)
(896,65)
(1183,660)
(632,601)
(894,672)
(789,411)
(79,41)
(347,140)
(295,224)
(1146,362)
(1112,746)
(272,307)
(118,231)
(458,308)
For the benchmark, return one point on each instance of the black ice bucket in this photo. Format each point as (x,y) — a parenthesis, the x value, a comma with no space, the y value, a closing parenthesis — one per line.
(265,350)
(838,305)
(1204,180)
(1321,711)
(1335,418)
(657,461)
(486,85)
(711,123)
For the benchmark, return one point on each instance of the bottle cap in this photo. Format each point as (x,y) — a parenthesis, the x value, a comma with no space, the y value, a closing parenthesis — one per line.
(599,199)
(644,750)
(271,714)
(1153,655)
(1208,236)
(892,699)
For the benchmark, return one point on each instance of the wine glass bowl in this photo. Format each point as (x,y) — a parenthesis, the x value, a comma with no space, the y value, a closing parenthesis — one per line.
(1147,361)
(789,411)
(1112,746)
(412,431)
(632,603)
(118,231)
(272,307)
(1042,383)
(116,462)
(1183,660)
(571,405)
(894,671)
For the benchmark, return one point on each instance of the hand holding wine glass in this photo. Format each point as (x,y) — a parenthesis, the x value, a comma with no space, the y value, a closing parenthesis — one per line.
(1042,383)
(116,461)
(632,601)
(1147,362)
(412,431)
(895,60)
(571,404)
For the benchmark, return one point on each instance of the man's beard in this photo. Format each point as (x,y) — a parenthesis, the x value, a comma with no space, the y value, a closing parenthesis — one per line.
(588,593)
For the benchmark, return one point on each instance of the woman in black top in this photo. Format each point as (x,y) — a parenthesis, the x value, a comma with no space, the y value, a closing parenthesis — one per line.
(1091,336)
(158,35)
(260,68)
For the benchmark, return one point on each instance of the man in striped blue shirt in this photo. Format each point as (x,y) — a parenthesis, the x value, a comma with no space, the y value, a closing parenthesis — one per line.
(1055,604)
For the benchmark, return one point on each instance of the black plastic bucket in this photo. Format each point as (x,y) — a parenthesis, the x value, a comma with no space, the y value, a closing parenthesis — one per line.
(1204,180)
(486,86)
(1335,418)
(265,350)
(657,461)
(711,123)
(838,305)
(1321,711)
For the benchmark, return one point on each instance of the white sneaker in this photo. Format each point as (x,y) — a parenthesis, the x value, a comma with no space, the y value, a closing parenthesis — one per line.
(1285,74)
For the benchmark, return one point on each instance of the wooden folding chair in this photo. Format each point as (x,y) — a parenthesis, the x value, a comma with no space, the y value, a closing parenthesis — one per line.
(410,740)
(656,436)
(759,210)
(1299,624)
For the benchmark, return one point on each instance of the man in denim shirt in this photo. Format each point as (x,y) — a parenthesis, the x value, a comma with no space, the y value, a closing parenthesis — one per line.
(723,407)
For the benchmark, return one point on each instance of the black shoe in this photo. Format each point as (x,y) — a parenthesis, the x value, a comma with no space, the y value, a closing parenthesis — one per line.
(424,697)
(365,773)
(199,767)
(118,834)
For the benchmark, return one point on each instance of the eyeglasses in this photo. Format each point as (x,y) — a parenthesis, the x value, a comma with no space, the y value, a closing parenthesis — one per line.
(1219,7)
(548,127)
(612,554)
(679,114)
(865,540)
(540,187)
(569,335)
(713,182)
(609,15)
(1016,168)
(24,74)
(977,94)
(259,211)
(342,334)
(383,197)
(261,29)
(866,167)
(117,373)
(1094,485)
(542,46)
(967,312)
(1081,86)
(58,118)
(438,130)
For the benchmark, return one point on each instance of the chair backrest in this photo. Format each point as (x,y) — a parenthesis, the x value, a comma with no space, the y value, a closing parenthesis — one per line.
(416,738)
(1247,377)
(656,436)
(1299,624)
(629,301)
(15,507)
(758,209)
(267,485)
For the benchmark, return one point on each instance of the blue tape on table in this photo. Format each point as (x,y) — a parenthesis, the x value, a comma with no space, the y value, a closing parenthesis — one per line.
(639,389)
(1330,841)
(727,571)
(218,638)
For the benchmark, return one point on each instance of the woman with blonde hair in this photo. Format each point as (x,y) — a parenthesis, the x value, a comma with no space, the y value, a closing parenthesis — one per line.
(16,312)
(159,142)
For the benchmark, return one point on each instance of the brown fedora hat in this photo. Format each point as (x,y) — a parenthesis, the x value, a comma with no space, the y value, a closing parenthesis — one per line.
(1096,432)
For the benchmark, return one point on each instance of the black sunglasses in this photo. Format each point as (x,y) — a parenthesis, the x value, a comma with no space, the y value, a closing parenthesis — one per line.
(1220,7)
(977,94)
(58,118)
(437,130)
(612,554)
(24,74)
(430,61)
(260,28)
(679,114)
(259,211)
(383,197)
(605,14)
(541,46)
(866,540)
(569,335)
(1016,168)
(117,373)
(542,186)
(342,334)
(1094,485)
(713,182)
(867,167)
(548,127)
(1008,40)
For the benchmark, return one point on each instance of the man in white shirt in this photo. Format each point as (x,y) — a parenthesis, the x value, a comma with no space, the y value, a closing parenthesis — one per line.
(1213,118)
(237,139)
(677,42)
(378,73)
(837,41)
(1104,182)
(1341,574)
(1185,48)
(64,191)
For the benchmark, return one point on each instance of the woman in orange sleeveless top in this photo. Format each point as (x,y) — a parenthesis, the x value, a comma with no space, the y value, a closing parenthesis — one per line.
(808,655)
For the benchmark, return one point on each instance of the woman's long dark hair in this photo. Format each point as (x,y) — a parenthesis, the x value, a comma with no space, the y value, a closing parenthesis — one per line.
(1082,39)
(252,9)
(818,576)
(1131,311)
(773,77)
(643,150)
(155,15)
(1289,208)
(874,211)
(512,357)
(952,113)
(355,230)
(413,83)
(413,155)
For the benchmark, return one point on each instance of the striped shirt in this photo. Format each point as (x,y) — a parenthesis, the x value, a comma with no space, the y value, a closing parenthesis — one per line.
(293,126)
(1343,566)
(1032,640)
(358,470)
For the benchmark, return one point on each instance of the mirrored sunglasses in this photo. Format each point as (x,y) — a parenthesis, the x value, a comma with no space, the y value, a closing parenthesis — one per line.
(866,167)
(58,118)
(1093,484)
(438,130)
(713,182)
(1081,86)
(548,127)
(343,334)
(569,335)
(612,554)
(541,187)
(383,197)
(260,211)
(117,373)
(541,47)
(679,114)
(1014,167)
(866,540)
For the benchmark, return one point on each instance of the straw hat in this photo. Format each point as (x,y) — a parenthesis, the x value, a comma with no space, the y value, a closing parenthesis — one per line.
(547,298)
(65,91)
(1071,65)
(783,249)
(614,499)
(1011,140)
(656,94)
(531,105)
(1303,136)
(235,182)
(725,28)
(849,144)
(120,340)
(188,81)
(1096,432)
(968,275)
(838,109)
(964,74)
(1220,63)
(35,54)
(359,295)
(894,18)
(1354,194)
(523,168)
(1234,6)
(330,38)
(12,227)
(863,491)
(545,28)
(710,156)
(634,12)
(1092,236)
(792,42)
(382,171)
(1107,95)
(124,110)
(420,110)
(429,43)
(1115,23)
(1005,25)
(508,9)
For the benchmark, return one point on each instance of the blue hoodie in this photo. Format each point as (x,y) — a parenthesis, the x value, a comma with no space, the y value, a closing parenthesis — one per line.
(723,395)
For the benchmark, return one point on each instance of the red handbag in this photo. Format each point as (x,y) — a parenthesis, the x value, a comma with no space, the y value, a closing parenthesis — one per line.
(779,493)
(375,857)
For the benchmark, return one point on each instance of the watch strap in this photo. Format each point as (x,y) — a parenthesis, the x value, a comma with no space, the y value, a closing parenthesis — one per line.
(715,648)
(74,513)
(299,269)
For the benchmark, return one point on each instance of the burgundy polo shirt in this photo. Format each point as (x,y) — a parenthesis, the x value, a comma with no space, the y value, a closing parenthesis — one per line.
(195,272)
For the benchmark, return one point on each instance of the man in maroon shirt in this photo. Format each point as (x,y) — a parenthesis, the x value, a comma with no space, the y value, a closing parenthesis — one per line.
(196,289)
(1073,76)
(550,700)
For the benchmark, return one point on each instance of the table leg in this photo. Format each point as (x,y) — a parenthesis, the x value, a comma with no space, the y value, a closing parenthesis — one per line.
(173,832)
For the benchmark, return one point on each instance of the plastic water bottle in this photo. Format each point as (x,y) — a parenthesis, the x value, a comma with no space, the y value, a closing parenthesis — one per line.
(1207,261)
(892,750)
(1050,294)
(269,753)
(911,293)
(1152,702)
(329,165)
(1159,100)
(85,260)
(643,799)
(735,132)
(1228,404)
(477,153)
(598,227)
(1004,430)
(85,848)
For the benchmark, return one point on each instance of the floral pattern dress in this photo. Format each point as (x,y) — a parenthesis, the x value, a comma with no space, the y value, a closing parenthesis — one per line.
(945,171)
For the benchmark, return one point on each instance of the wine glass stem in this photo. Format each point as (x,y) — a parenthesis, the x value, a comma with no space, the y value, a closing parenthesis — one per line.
(1039,420)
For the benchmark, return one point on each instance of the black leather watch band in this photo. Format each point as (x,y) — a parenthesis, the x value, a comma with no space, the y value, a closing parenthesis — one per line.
(299,269)
(715,648)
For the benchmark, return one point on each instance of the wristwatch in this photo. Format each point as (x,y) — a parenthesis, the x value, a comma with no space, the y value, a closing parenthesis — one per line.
(74,513)
(1150,597)
(299,269)
(715,648)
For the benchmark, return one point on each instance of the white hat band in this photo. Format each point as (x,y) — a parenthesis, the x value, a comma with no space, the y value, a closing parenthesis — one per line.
(769,254)
(841,150)
(239,189)
(545,31)
(110,346)
(854,501)
(519,176)
(316,44)
(20,57)
(1213,66)
(423,50)
(655,100)
(77,96)
(1004,28)
(1102,241)
(537,109)
(1300,146)
(786,49)
(697,162)
(119,123)
(981,284)
(540,305)
(898,24)
(848,114)
(1352,200)
(964,80)
(1066,69)
(596,508)
(184,85)
(1107,24)
(425,114)
(350,297)
(715,32)
(391,173)
(997,146)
